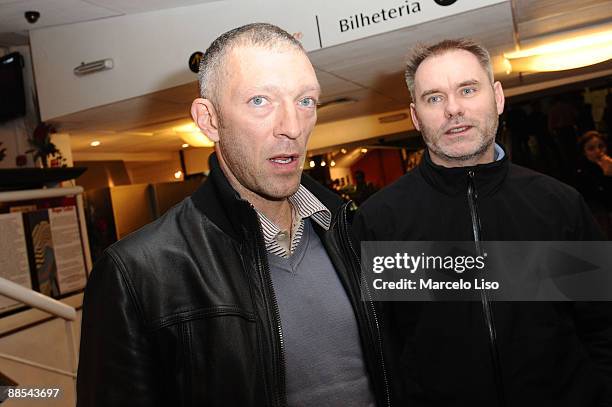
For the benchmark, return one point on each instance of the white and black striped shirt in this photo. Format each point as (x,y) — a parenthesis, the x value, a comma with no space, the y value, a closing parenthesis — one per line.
(304,204)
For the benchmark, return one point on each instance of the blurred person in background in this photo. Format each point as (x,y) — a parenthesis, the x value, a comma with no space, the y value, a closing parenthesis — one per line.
(594,178)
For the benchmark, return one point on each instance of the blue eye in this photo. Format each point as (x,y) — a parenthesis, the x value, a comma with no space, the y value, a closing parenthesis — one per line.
(258,101)
(468,91)
(308,102)
(434,99)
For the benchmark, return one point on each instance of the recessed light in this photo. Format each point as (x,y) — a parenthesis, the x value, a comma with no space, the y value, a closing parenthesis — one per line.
(185,145)
(323,164)
(364,150)
(178,174)
(312,164)
(95,143)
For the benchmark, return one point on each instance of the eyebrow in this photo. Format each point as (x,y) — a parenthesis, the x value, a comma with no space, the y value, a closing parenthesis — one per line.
(468,83)
(429,92)
(461,85)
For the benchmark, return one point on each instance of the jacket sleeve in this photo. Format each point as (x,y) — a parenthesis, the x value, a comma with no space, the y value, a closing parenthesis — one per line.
(116,363)
(594,319)
(394,327)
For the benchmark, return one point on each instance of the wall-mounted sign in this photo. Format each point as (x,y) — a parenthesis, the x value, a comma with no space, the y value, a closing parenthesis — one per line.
(194,61)
(339,22)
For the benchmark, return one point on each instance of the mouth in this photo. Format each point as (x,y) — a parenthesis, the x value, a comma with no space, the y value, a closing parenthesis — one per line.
(457,130)
(284,159)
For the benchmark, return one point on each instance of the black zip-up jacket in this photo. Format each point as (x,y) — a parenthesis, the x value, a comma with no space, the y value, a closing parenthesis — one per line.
(182,312)
(485,353)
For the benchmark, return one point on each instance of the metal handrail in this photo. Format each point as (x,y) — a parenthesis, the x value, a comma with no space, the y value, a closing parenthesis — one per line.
(37,300)
(42,302)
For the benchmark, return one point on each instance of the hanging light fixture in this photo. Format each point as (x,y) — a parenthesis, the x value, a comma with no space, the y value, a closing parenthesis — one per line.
(572,50)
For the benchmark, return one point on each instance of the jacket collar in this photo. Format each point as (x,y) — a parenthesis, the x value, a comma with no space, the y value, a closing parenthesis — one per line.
(220,202)
(453,181)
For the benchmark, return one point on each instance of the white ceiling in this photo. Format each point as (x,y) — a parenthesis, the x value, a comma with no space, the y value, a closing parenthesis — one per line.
(58,12)
(370,70)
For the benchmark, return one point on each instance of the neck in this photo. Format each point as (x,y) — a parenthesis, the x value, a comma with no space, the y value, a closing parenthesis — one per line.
(278,212)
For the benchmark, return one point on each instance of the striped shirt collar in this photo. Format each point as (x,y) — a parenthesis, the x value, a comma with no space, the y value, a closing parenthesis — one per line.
(304,205)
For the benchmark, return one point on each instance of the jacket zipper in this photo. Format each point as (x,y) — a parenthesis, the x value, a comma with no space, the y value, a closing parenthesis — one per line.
(371,306)
(264,271)
(486,306)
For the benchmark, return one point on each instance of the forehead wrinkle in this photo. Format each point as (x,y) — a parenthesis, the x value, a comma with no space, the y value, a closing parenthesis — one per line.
(251,83)
(273,89)
(434,62)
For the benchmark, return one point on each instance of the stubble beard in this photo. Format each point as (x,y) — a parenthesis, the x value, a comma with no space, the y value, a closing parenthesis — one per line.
(485,138)
(249,178)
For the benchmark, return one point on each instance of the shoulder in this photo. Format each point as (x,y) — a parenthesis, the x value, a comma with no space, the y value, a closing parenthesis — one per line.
(387,207)
(395,195)
(555,200)
(161,233)
(530,181)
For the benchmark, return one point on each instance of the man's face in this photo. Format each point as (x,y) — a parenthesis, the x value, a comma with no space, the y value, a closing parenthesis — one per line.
(456,108)
(267,107)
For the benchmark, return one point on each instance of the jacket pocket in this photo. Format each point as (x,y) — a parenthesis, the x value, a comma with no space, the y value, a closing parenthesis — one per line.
(211,357)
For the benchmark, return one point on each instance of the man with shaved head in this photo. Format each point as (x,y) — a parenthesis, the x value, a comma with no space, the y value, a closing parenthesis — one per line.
(482,353)
(246,293)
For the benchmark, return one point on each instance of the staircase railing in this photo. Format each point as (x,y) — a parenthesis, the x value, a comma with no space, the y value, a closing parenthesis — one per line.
(42,302)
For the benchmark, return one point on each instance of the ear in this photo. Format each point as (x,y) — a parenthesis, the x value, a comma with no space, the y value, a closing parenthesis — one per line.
(499,97)
(415,119)
(205,116)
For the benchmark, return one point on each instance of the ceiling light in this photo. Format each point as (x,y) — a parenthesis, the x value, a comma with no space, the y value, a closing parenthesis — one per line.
(332,163)
(185,145)
(364,150)
(343,150)
(322,163)
(572,50)
(178,174)
(312,163)
(186,128)
(95,143)
(192,135)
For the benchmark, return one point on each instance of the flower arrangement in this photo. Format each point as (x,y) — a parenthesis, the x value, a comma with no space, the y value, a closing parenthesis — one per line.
(43,147)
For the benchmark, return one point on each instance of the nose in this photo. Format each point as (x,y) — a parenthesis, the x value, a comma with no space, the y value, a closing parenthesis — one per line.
(288,121)
(453,107)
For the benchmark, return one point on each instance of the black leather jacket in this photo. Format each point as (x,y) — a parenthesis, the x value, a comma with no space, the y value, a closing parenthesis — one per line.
(182,312)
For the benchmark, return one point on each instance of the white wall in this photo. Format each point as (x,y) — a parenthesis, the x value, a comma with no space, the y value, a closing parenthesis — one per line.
(150,51)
